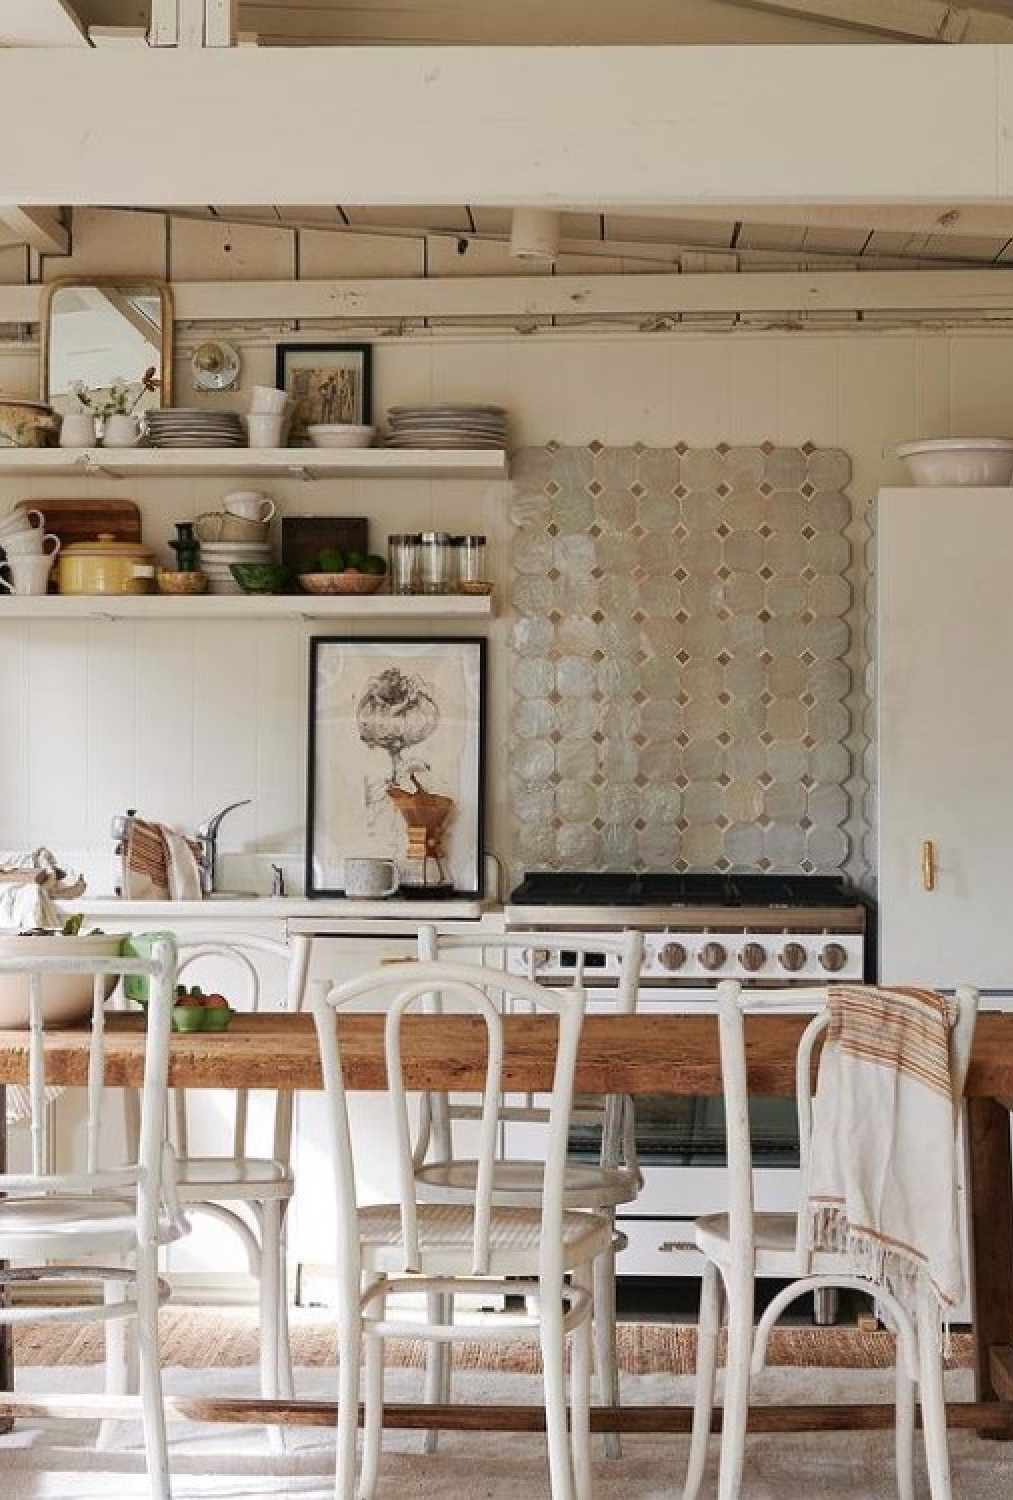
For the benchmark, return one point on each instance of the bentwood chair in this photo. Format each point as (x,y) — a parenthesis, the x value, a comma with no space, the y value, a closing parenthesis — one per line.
(542,1255)
(100,1222)
(602,1181)
(741,1245)
(249,1184)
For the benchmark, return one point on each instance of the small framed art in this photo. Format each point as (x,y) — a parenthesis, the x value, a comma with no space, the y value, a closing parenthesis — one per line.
(326,383)
(396,761)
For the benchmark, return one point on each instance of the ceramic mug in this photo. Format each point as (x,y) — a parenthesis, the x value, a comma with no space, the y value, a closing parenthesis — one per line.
(18,520)
(371,879)
(265,429)
(249,505)
(28,575)
(77,430)
(29,543)
(268,398)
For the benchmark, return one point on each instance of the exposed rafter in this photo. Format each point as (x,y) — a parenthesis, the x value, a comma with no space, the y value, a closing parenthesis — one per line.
(40,23)
(911,20)
(41,228)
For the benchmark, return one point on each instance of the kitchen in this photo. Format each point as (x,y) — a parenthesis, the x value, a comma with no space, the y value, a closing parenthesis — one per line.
(159,717)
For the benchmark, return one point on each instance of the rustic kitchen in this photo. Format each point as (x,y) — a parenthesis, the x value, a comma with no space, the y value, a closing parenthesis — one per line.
(715,619)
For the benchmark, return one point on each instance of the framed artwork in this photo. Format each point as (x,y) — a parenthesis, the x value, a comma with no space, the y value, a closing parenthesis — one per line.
(326,383)
(396,761)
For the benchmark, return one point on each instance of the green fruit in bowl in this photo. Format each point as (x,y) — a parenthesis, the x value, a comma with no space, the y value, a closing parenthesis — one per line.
(332,560)
(375,564)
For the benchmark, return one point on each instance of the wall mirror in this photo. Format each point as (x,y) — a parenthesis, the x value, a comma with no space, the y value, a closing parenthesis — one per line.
(105,329)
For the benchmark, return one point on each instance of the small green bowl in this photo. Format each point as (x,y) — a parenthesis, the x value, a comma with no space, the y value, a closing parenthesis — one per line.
(216,1017)
(259,577)
(188,1017)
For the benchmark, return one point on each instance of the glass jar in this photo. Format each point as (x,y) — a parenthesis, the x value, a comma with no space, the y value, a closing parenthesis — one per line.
(434,562)
(470,551)
(402,561)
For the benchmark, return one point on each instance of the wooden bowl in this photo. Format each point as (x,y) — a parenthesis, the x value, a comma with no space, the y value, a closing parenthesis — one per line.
(348,582)
(174,582)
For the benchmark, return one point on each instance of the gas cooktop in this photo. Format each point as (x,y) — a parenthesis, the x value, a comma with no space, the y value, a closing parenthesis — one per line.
(660,888)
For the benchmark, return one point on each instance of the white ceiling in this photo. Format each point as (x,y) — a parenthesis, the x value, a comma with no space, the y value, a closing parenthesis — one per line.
(776,235)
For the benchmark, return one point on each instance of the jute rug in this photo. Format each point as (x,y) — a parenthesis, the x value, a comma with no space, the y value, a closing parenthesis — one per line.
(205,1338)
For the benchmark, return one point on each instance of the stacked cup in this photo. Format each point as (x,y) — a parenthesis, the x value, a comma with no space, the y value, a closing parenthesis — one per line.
(265,424)
(236,533)
(28,560)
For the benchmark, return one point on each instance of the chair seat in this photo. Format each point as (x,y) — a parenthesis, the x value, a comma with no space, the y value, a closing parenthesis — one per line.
(200,1177)
(775,1246)
(32,1226)
(446,1231)
(519,1183)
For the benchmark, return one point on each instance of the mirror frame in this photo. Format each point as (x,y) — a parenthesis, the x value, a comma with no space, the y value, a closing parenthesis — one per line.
(65,283)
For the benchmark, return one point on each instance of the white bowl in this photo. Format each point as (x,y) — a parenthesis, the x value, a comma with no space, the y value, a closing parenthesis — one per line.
(959,461)
(340,435)
(65,997)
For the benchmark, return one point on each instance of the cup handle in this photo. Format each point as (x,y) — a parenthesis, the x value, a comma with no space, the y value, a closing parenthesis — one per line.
(269,513)
(51,537)
(395,877)
(39,518)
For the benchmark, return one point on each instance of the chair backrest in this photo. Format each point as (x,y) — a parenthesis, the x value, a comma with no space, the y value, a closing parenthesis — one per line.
(584,957)
(138,1170)
(734,1003)
(473,989)
(253,973)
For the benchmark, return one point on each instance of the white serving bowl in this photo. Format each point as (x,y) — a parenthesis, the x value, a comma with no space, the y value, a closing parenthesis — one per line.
(65,997)
(959,461)
(340,435)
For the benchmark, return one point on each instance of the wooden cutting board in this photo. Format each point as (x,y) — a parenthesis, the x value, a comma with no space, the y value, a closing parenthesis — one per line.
(303,538)
(76,520)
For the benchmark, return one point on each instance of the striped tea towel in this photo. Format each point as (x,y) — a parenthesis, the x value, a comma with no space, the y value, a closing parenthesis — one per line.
(883,1165)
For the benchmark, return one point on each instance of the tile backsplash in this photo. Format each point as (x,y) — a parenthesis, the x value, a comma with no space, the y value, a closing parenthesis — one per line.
(681,659)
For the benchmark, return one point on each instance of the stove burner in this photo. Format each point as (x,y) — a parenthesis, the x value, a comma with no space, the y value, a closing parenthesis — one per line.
(690,888)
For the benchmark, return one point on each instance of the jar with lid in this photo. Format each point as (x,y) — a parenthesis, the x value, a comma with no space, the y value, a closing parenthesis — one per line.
(434,562)
(471,574)
(402,561)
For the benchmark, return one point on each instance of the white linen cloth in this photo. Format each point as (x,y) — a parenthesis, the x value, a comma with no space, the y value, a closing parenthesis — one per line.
(883,1164)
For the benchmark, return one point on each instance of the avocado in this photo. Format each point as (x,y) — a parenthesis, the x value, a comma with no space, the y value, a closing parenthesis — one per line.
(332,560)
(375,564)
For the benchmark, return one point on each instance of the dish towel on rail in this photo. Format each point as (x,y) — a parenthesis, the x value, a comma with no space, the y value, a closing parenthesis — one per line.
(883,1164)
(159,864)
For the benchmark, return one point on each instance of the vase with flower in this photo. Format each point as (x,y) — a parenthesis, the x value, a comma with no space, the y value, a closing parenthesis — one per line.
(116,407)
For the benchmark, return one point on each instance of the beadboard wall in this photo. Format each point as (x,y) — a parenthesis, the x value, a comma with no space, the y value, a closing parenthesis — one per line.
(177,720)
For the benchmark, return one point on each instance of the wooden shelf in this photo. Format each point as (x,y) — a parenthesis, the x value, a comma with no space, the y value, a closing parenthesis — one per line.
(277,463)
(171,609)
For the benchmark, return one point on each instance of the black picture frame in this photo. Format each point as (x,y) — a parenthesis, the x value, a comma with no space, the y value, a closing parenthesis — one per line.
(326,383)
(393,714)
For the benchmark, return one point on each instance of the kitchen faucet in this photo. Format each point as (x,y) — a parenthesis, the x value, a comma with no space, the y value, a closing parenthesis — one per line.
(207,846)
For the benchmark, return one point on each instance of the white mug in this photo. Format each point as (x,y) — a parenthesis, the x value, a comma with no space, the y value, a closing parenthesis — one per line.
(18,520)
(267,398)
(265,429)
(29,543)
(28,575)
(250,505)
(371,879)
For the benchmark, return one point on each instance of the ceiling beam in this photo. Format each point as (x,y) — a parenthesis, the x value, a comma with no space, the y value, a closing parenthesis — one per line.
(599,126)
(906,218)
(41,228)
(910,20)
(40,23)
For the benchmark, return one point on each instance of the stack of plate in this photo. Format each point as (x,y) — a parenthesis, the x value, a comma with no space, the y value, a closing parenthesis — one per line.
(448,426)
(215,558)
(189,427)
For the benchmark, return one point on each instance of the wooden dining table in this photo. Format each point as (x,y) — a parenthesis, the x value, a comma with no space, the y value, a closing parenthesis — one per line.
(639,1054)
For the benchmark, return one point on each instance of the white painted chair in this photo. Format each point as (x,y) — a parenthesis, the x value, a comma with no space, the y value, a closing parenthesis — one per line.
(742,1245)
(100,1222)
(249,1185)
(449,1172)
(542,1254)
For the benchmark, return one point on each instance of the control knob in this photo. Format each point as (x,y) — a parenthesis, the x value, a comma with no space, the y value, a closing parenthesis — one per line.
(712,956)
(833,957)
(671,956)
(792,957)
(753,957)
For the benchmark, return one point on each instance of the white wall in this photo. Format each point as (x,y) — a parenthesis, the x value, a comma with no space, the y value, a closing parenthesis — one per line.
(178,720)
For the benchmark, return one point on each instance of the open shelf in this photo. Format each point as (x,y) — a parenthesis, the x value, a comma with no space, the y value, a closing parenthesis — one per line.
(170,608)
(277,463)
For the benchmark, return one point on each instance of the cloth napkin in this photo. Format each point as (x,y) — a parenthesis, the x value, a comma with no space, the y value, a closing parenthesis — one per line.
(883,1165)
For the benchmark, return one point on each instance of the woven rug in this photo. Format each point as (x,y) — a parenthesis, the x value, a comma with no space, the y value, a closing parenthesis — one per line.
(206,1338)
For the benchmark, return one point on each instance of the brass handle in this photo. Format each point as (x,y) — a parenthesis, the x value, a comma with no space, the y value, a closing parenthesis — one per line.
(929,865)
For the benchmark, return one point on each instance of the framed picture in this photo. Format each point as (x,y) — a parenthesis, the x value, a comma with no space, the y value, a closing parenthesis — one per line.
(396,762)
(326,383)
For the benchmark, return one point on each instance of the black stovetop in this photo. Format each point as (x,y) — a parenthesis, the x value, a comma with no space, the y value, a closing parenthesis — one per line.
(690,888)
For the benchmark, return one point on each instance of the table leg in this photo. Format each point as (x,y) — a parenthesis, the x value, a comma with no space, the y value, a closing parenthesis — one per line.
(991,1204)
